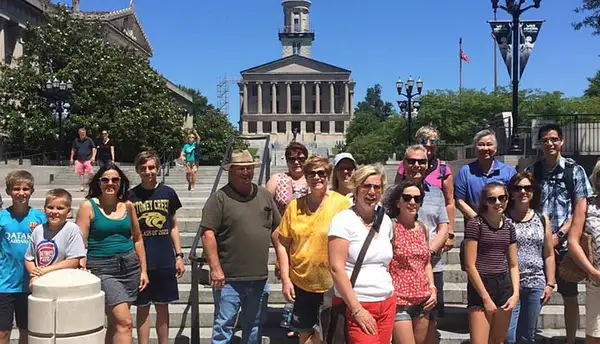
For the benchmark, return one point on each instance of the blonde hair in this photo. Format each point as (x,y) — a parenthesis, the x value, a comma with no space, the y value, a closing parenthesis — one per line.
(317,161)
(359,176)
(59,193)
(594,176)
(18,176)
(414,148)
(427,131)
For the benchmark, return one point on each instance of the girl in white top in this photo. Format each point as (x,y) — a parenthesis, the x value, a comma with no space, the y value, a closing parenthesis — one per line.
(370,305)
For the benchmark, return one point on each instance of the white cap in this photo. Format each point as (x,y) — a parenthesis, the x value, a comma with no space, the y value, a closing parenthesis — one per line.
(342,156)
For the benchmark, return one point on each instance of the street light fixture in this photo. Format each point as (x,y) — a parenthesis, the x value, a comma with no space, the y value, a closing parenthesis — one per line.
(58,92)
(409,104)
(515,9)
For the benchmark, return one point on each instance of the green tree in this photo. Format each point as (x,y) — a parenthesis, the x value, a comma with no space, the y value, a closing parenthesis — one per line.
(114,89)
(215,131)
(591,19)
(593,89)
(369,114)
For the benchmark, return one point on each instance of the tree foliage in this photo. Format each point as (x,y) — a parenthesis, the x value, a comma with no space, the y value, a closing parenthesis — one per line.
(114,89)
(591,19)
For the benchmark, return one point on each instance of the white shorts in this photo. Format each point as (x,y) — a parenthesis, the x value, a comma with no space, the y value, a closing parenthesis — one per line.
(592,310)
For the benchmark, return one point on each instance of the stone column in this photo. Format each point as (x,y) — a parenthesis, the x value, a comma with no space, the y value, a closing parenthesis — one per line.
(2,39)
(346,98)
(18,31)
(274,97)
(302,130)
(259,127)
(317,127)
(245,127)
(260,104)
(273,127)
(288,130)
(332,97)
(245,98)
(303,97)
(288,86)
(318,97)
(352,99)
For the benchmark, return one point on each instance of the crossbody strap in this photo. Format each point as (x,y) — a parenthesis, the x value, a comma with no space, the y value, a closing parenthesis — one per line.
(379,213)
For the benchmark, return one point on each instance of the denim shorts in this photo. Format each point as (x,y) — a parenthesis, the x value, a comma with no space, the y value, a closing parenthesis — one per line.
(405,313)
(307,306)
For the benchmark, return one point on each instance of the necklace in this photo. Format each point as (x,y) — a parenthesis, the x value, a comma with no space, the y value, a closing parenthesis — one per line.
(365,223)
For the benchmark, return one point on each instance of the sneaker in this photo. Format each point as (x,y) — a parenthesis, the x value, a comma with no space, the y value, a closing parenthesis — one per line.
(82,189)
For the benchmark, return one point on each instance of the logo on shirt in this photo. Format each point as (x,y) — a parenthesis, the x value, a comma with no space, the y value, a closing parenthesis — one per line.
(46,253)
(17,237)
(153,219)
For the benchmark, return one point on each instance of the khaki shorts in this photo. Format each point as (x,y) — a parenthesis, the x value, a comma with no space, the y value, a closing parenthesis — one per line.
(592,310)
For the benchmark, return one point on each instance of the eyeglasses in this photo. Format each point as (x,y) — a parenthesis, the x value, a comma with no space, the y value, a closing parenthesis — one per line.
(105,180)
(321,173)
(408,198)
(368,187)
(519,188)
(411,161)
(300,159)
(424,141)
(494,199)
(550,139)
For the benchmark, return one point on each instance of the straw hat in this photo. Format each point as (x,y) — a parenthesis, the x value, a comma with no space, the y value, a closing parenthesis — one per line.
(240,158)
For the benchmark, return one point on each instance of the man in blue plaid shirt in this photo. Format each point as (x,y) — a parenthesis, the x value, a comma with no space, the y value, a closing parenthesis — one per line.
(559,204)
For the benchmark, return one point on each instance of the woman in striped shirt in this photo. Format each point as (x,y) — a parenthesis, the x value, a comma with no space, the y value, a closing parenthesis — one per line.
(490,252)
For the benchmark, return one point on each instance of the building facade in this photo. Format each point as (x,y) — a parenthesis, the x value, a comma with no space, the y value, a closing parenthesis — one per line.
(296,97)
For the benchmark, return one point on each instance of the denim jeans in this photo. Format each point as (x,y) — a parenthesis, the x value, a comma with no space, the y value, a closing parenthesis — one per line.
(523,321)
(252,297)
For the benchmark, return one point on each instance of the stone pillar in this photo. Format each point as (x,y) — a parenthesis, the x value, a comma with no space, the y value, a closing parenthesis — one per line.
(303,97)
(288,130)
(18,31)
(318,97)
(274,97)
(245,98)
(317,127)
(2,39)
(273,127)
(352,99)
(66,306)
(346,98)
(332,97)
(332,127)
(245,127)
(288,86)
(260,104)
(259,127)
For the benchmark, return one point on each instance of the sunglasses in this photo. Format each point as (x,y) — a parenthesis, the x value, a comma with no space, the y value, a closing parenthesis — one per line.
(411,161)
(408,198)
(494,199)
(300,159)
(321,173)
(368,187)
(519,188)
(105,180)
(424,141)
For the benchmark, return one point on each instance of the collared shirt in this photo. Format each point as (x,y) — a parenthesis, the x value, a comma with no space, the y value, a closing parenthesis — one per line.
(556,203)
(470,180)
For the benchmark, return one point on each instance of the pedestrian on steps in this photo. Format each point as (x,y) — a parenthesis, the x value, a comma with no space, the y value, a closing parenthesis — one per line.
(84,150)
(105,150)
(188,157)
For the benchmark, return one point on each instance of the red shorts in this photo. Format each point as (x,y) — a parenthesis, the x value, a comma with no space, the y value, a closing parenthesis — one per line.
(83,167)
(382,311)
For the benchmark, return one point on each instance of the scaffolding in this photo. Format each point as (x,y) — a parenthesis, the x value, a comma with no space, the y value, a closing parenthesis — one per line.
(223,94)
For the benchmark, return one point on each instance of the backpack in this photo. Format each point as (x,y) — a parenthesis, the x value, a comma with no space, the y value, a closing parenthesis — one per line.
(567,177)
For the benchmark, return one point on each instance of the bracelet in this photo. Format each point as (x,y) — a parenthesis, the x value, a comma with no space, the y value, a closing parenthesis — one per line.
(551,286)
(355,313)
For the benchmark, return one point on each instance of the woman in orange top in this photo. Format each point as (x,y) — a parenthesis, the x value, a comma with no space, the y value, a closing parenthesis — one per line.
(301,244)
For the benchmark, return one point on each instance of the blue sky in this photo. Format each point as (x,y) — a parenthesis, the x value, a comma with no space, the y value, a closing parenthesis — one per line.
(196,42)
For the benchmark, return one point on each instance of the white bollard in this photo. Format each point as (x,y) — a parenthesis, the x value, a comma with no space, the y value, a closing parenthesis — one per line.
(66,307)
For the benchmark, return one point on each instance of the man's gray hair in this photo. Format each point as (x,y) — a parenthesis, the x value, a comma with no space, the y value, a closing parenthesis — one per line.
(412,148)
(484,133)
(427,131)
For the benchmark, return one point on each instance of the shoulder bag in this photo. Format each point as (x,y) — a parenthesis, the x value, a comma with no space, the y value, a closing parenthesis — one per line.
(333,320)
(568,269)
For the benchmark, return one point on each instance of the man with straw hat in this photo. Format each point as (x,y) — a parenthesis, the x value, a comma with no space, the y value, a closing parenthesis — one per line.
(237,222)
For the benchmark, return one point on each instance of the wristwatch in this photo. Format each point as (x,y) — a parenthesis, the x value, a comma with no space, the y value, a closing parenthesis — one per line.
(553,286)
(450,235)
(560,234)
(179,255)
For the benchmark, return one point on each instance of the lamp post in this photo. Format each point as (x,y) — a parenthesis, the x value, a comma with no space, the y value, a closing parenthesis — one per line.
(408,104)
(515,9)
(58,92)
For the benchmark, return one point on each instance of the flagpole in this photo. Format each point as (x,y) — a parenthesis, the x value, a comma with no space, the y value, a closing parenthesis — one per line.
(460,60)
(495,58)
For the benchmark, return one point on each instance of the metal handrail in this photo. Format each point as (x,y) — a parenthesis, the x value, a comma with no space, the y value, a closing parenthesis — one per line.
(198,261)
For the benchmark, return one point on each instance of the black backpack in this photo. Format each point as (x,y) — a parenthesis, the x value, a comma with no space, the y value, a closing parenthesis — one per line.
(567,178)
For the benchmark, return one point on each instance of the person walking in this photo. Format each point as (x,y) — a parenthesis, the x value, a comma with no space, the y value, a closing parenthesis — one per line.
(115,248)
(188,156)
(565,189)
(237,222)
(370,305)
(105,150)
(535,255)
(301,245)
(490,259)
(84,149)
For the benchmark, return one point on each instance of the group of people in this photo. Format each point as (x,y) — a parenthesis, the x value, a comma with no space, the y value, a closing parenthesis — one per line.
(85,152)
(515,238)
(128,238)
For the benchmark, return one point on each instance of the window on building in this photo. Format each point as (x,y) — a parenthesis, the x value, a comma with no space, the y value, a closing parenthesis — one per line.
(296,106)
(296,126)
(338,89)
(252,127)
(266,127)
(253,89)
(310,126)
(281,127)
(339,126)
(296,48)
(314,90)
(314,106)
(325,127)
(296,22)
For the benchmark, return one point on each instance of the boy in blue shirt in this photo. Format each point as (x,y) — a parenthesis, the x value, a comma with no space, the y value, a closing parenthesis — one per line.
(16,224)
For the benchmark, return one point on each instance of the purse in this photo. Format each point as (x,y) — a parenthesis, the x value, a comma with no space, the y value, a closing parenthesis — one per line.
(568,269)
(333,320)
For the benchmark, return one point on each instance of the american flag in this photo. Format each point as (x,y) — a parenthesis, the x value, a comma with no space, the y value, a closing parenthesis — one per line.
(464,56)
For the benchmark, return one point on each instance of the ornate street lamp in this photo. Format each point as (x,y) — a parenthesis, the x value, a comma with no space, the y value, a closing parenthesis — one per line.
(409,104)
(58,92)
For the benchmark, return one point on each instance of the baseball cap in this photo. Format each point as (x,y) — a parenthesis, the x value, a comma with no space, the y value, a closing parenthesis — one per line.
(342,156)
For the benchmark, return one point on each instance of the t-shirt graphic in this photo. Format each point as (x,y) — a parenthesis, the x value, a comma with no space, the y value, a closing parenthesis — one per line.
(49,247)
(14,241)
(154,209)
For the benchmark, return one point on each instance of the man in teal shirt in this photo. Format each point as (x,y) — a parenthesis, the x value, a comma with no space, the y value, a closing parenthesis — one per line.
(188,156)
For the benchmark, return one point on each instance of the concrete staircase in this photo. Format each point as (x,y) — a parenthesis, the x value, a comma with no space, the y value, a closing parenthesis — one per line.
(453,328)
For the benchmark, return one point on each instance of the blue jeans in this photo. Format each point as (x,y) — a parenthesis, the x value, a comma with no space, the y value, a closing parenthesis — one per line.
(523,321)
(252,297)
